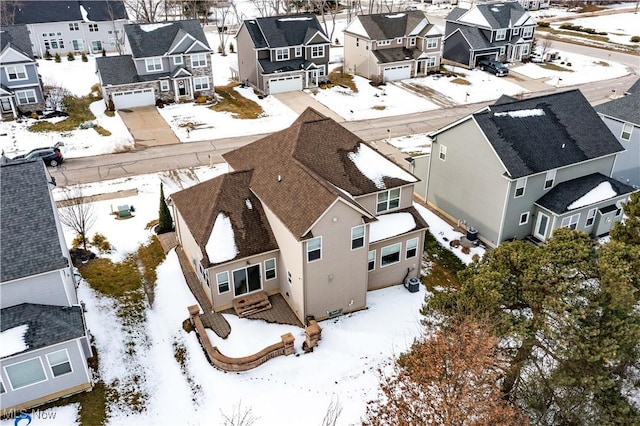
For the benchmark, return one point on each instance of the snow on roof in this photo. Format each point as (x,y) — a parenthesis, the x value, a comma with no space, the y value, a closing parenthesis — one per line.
(390,225)
(85,14)
(495,9)
(248,204)
(152,27)
(521,113)
(12,340)
(601,192)
(475,17)
(299,18)
(222,242)
(419,27)
(356,27)
(396,15)
(375,166)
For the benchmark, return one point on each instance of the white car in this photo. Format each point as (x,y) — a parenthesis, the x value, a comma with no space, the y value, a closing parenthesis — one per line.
(536,57)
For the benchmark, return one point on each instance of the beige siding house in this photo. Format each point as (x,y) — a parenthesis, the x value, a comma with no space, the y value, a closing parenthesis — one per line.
(311,212)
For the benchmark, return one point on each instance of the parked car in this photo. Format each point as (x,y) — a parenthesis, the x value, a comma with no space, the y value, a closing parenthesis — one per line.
(51,155)
(493,66)
(536,57)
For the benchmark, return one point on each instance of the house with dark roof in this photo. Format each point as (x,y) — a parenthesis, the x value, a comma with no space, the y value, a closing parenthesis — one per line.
(44,343)
(622,117)
(283,53)
(168,61)
(20,84)
(519,169)
(89,26)
(392,46)
(498,30)
(311,212)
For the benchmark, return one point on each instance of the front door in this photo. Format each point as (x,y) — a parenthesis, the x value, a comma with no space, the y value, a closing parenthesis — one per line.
(183,89)
(246,280)
(542,224)
(516,53)
(312,78)
(6,104)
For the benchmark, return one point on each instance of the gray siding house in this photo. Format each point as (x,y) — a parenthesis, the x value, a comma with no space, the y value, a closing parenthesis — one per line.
(311,212)
(392,46)
(283,53)
(520,169)
(497,30)
(168,61)
(20,84)
(622,117)
(45,343)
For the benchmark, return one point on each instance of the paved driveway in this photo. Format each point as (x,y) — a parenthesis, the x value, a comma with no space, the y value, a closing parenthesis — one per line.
(147,126)
(298,101)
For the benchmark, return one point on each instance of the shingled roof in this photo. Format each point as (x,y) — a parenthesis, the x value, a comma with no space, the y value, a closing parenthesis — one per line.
(156,39)
(386,26)
(229,194)
(17,37)
(547,132)
(283,31)
(37,12)
(626,108)
(493,15)
(28,229)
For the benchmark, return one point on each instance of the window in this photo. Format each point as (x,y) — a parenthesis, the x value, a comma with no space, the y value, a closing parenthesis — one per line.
(25,373)
(59,363)
(442,153)
(73,26)
(270,269)
(357,237)
(412,248)
(178,60)
(164,85)
(26,96)
(222,278)
(282,54)
(548,180)
(399,40)
(524,218)
(390,255)
(16,72)
(247,280)
(388,200)
(527,32)
(199,60)
(591,217)
(96,45)
(627,128)
(77,44)
(314,249)
(520,187)
(153,64)
(432,43)
(502,50)
(298,52)
(2,389)
(384,42)
(570,221)
(432,62)
(372,260)
(201,83)
(501,34)
(516,31)
(412,41)
(357,42)
(525,49)
(93,28)
(317,51)
(289,277)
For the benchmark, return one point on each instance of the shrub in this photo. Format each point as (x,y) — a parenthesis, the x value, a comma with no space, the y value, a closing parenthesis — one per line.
(543,24)
(104,52)
(635,39)
(57,58)
(34,115)
(110,105)
(71,56)
(77,242)
(231,48)
(84,57)
(201,100)
(100,242)
(47,55)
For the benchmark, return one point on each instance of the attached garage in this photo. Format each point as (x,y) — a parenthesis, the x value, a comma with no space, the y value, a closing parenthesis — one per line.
(285,84)
(133,98)
(399,72)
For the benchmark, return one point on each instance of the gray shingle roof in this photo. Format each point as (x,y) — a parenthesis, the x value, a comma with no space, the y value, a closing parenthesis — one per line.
(396,54)
(547,132)
(117,70)
(283,66)
(282,31)
(35,12)
(476,38)
(498,15)
(564,194)
(28,234)
(155,39)
(385,26)
(47,324)
(626,108)
(635,87)
(18,37)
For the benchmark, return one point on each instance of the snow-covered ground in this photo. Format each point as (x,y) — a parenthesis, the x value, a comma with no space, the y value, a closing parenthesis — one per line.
(619,27)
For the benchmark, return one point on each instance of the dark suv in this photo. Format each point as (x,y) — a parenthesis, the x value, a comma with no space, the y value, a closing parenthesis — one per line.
(50,155)
(493,67)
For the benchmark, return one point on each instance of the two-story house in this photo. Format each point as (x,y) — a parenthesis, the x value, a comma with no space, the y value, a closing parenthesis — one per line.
(283,53)
(44,344)
(70,26)
(170,61)
(622,117)
(497,30)
(311,212)
(20,83)
(392,46)
(522,168)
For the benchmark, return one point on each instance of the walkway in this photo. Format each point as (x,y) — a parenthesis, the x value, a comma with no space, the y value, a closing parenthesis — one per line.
(280,312)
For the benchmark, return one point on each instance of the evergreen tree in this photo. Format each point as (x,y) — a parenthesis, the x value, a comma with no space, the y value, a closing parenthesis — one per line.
(628,231)
(165,222)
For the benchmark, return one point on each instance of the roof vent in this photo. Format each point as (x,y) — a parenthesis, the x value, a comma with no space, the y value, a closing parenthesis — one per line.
(279,178)
(562,146)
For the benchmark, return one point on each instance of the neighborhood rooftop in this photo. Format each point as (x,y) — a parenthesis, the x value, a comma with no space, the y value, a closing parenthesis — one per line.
(155,39)
(626,108)
(278,31)
(490,15)
(34,12)
(18,37)
(385,26)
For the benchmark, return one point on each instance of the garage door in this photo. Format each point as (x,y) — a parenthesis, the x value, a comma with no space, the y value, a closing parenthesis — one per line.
(397,73)
(133,98)
(285,84)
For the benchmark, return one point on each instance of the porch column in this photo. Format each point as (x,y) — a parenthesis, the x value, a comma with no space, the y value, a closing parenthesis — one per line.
(175,91)
(14,110)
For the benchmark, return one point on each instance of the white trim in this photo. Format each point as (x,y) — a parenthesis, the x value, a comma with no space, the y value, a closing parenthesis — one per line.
(388,192)
(591,214)
(526,218)
(622,132)
(546,228)
(218,282)
(27,100)
(153,62)
(306,245)
(521,183)
(406,248)
(371,260)
(39,358)
(399,254)
(17,72)
(275,269)
(53,374)
(186,35)
(364,237)
(572,220)
(244,268)
(197,56)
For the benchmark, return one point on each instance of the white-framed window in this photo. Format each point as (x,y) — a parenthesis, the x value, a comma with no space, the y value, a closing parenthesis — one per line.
(501,34)
(59,363)
(54,43)
(371,260)
(282,54)
(153,64)
(399,40)
(314,249)
(298,51)
(270,269)
(77,44)
(412,41)
(525,49)
(591,217)
(246,280)
(317,51)
(411,250)
(26,96)
(619,210)
(2,388)
(357,237)
(222,279)
(25,373)
(96,45)
(289,277)
(16,72)
(516,31)
(524,218)
(383,42)
(390,254)
(320,70)
(527,32)
(502,50)
(442,153)
(200,83)
(521,185)
(388,200)
(570,222)
(432,43)
(627,129)
(178,60)
(73,26)
(549,179)
(164,85)
(199,60)
(432,61)
(93,28)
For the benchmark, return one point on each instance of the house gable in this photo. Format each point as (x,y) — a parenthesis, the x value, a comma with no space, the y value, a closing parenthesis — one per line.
(387,26)
(475,18)
(356,28)
(11,56)
(315,37)
(283,31)
(15,44)
(156,39)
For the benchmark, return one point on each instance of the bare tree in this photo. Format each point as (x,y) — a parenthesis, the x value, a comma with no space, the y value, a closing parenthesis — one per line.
(8,11)
(240,416)
(327,7)
(54,95)
(546,45)
(76,213)
(223,13)
(147,10)
(333,413)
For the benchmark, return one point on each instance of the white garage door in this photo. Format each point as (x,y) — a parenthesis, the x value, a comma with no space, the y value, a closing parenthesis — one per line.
(285,84)
(397,73)
(133,98)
